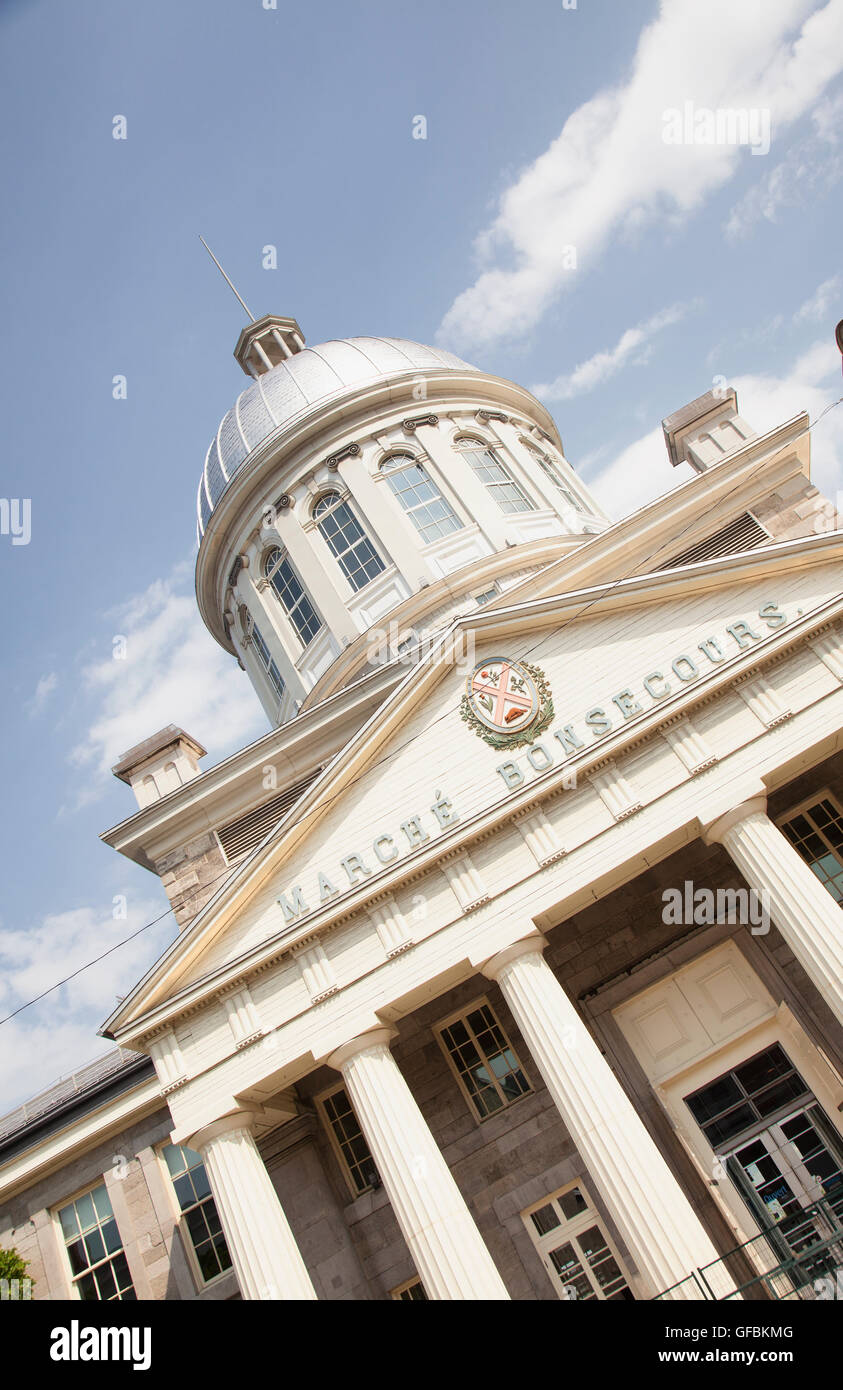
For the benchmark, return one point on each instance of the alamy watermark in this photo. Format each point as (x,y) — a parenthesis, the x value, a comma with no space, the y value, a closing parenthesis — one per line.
(15,1290)
(689,906)
(722,125)
(407,646)
(16,519)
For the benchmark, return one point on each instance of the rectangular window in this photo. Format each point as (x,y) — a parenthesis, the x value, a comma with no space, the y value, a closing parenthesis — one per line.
(267,662)
(420,497)
(509,496)
(349,1142)
(740,1098)
(576,1252)
(198,1209)
(98,1265)
(289,588)
(816,833)
(411,1292)
(485,1065)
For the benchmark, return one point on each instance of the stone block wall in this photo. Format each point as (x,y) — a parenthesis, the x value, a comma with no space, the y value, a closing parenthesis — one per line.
(144,1207)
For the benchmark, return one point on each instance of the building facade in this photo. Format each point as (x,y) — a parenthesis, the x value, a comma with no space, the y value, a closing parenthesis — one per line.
(509,962)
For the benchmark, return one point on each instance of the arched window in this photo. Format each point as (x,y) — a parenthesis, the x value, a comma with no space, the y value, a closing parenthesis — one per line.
(290,590)
(550,471)
(494,475)
(262,652)
(351,547)
(421,499)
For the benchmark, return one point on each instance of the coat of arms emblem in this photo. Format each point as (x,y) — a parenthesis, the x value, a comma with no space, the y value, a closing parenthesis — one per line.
(508,703)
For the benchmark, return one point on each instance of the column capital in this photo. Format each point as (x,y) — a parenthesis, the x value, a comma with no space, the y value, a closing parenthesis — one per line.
(533,944)
(364,1042)
(715,830)
(227,1124)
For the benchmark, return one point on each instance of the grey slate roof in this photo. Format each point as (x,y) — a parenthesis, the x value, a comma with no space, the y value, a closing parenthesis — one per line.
(309,380)
(114,1066)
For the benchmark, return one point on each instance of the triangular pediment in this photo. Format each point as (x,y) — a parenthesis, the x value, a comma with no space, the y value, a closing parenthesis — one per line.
(616,660)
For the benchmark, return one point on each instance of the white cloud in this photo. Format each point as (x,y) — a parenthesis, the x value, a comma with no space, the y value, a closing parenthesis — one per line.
(43,691)
(173,672)
(821,301)
(610,172)
(58,1034)
(810,168)
(812,384)
(632,345)
(641,472)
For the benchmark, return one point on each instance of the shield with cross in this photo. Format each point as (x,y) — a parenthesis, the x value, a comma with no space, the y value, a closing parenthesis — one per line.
(503,695)
(507,702)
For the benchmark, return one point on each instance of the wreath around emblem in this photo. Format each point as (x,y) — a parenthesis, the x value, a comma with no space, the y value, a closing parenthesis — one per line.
(523,736)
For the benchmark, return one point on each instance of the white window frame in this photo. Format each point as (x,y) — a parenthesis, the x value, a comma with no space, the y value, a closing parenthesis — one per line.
(180,1224)
(341,557)
(468,443)
(461,1016)
(488,595)
(802,808)
(419,461)
(266,670)
(268,570)
(320,1100)
(72,1279)
(568,1229)
(550,470)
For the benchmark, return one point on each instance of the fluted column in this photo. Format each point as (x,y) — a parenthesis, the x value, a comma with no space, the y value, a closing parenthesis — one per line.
(263,1250)
(803,910)
(661,1230)
(447,1249)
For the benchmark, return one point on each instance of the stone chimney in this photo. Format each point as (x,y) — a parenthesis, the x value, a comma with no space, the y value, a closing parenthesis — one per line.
(705,431)
(160,764)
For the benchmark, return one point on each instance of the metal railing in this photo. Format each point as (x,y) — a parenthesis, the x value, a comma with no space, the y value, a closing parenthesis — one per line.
(801,1257)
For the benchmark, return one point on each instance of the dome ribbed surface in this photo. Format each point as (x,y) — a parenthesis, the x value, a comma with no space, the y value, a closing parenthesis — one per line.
(289,392)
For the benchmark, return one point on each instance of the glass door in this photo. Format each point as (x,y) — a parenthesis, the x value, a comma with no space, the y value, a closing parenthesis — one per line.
(575,1249)
(780,1151)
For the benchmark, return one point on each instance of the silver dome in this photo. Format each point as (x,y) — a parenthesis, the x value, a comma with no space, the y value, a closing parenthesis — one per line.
(288,392)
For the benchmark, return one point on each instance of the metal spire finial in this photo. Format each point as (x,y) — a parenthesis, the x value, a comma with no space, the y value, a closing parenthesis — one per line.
(225,277)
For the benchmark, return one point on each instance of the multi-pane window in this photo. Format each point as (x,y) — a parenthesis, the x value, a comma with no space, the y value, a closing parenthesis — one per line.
(278,569)
(486,1066)
(94,1248)
(411,1292)
(817,834)
(266,659)
(349,1141)
(740,1098)
(420,498)
(551,472)
(495,476)
(349,544)
(575,1250)
(198,1209)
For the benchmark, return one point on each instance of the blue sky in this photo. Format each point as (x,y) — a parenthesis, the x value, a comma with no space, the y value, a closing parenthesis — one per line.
(293,127)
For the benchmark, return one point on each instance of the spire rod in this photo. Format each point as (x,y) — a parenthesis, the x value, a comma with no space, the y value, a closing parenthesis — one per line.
(225,277)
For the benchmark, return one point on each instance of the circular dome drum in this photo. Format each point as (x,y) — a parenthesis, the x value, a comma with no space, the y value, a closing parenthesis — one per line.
(308,380)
